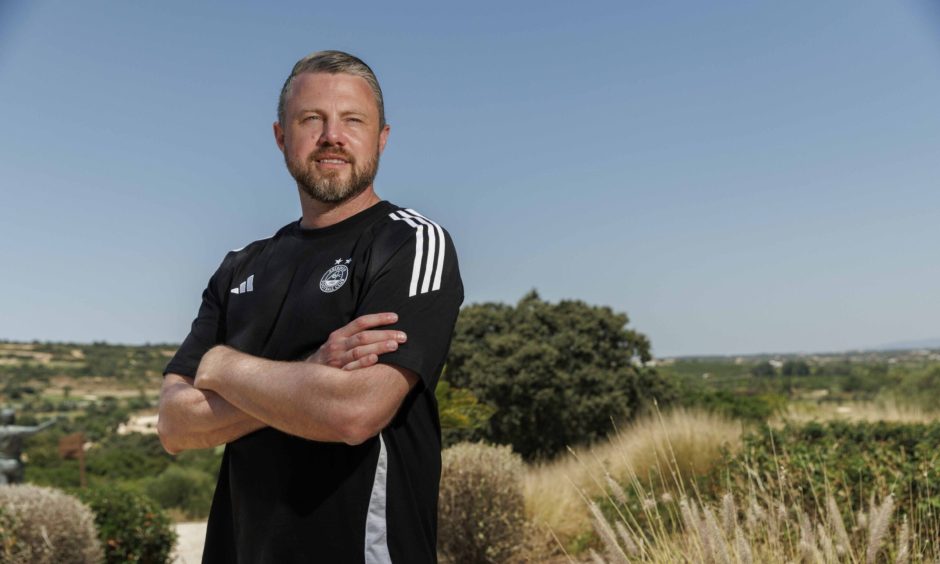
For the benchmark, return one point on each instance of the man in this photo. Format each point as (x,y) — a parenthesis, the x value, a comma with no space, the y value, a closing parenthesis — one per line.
(334,456)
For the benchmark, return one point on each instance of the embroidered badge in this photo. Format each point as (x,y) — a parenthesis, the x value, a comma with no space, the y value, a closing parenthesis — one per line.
(334,278)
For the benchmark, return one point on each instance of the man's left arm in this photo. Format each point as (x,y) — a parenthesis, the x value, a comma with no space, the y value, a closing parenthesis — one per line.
(308,400)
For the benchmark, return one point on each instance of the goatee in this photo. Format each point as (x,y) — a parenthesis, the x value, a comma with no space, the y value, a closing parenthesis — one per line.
(329,187)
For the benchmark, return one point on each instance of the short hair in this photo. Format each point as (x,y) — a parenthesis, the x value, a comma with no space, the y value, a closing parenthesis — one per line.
(332,62)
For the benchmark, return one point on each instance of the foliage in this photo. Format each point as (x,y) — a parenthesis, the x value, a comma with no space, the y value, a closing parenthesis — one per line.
(128,456)
(131,526)
(557,374)
(115,457)
(764,369)
(924,386)
(481,511)
(795,368)
(43,525)
(8,525)
(756,407)
(187,489)
(850,460)
(461,413)
(772,504)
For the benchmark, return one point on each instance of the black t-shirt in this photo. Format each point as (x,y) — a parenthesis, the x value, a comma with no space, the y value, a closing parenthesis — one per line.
(282,498)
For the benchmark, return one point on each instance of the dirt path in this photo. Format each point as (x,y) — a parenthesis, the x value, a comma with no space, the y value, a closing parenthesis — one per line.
(189,544)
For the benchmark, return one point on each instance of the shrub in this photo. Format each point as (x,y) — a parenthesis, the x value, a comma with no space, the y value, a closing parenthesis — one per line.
(481,513)
(461,414)
(849,459)
(187,489)
(131,526)
(41,525)
(7,538)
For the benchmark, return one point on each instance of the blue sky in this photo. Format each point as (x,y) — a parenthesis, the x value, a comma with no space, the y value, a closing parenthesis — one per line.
(738,177)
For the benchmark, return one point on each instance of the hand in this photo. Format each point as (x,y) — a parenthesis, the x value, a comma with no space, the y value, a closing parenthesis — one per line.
(355,346)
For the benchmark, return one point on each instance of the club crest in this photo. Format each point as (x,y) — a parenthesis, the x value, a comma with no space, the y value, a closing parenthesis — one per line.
(334,278)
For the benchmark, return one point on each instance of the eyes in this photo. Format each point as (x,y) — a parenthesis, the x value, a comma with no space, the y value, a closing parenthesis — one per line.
(346,119)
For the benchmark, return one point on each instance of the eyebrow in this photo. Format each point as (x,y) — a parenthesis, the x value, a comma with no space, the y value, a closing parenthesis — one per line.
(304,111)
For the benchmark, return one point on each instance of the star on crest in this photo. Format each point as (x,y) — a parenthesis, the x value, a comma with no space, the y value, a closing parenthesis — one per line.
(339,260)
(349,260)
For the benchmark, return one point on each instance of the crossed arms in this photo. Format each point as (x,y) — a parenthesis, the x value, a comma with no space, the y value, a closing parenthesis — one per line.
(339,394)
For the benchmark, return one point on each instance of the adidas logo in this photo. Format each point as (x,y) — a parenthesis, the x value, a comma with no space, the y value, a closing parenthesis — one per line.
(245,287)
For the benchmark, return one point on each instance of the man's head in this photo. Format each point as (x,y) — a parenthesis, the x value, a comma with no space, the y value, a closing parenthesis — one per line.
(331,126)
(333,62)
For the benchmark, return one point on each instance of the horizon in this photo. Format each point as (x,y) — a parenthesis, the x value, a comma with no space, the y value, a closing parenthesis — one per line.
(736,178)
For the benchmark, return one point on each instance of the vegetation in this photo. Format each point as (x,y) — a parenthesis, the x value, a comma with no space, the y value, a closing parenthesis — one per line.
(481,514)
(849,461)
(462,415)
(556,374)
(46,526)
(752,461)
(132,527)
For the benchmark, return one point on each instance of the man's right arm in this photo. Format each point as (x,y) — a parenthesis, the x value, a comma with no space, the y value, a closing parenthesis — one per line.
(191,418)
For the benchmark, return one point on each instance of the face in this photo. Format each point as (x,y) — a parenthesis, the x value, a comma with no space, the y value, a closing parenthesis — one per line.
(331,137)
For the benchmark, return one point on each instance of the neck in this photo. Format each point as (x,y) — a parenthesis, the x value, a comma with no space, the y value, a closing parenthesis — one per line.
(323,214)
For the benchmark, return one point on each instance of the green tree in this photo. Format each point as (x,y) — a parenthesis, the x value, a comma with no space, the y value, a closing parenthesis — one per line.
(557,374)
(795,368)
(764,370)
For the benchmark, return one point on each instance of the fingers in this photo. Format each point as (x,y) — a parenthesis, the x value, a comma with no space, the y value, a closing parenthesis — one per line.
(364,353)
(363,362)
(365,322)
(371,337)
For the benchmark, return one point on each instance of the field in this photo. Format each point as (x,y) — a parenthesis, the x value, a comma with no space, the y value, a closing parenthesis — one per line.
(817,458)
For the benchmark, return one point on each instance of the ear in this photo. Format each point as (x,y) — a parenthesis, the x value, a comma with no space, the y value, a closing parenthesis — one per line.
(383,137)
(279,135)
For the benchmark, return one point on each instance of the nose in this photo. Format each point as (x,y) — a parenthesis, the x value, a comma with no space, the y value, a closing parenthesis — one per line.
(331,134)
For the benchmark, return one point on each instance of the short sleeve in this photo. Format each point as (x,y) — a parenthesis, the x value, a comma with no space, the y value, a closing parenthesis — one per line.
(421,283)
(208,329)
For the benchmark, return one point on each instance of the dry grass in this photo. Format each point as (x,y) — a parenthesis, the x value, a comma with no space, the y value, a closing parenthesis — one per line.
(750,527)
(667,449)
(888,410)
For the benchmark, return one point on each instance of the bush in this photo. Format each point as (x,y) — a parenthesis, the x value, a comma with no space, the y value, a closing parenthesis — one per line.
(461,414)
(7,538)
(131,526)
(481,513)
(40,525)
(187,489)
(850,460)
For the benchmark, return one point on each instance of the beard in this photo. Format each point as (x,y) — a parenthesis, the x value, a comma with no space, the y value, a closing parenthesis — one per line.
(330,187)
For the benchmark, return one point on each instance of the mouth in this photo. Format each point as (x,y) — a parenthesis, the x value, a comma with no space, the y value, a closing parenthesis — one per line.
(331,160)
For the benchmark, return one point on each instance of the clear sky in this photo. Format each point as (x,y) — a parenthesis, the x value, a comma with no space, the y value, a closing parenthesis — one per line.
(737,176)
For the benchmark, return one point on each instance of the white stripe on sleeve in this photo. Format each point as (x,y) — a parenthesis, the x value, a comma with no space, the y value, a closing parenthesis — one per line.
(440,252)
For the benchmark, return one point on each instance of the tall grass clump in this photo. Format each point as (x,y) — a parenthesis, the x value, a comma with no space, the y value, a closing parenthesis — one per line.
(745,528)
(43,525)
(842,493)
(481,512)
(663,452)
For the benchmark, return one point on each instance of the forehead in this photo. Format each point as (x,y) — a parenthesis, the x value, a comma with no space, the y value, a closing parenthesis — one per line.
(321,91)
